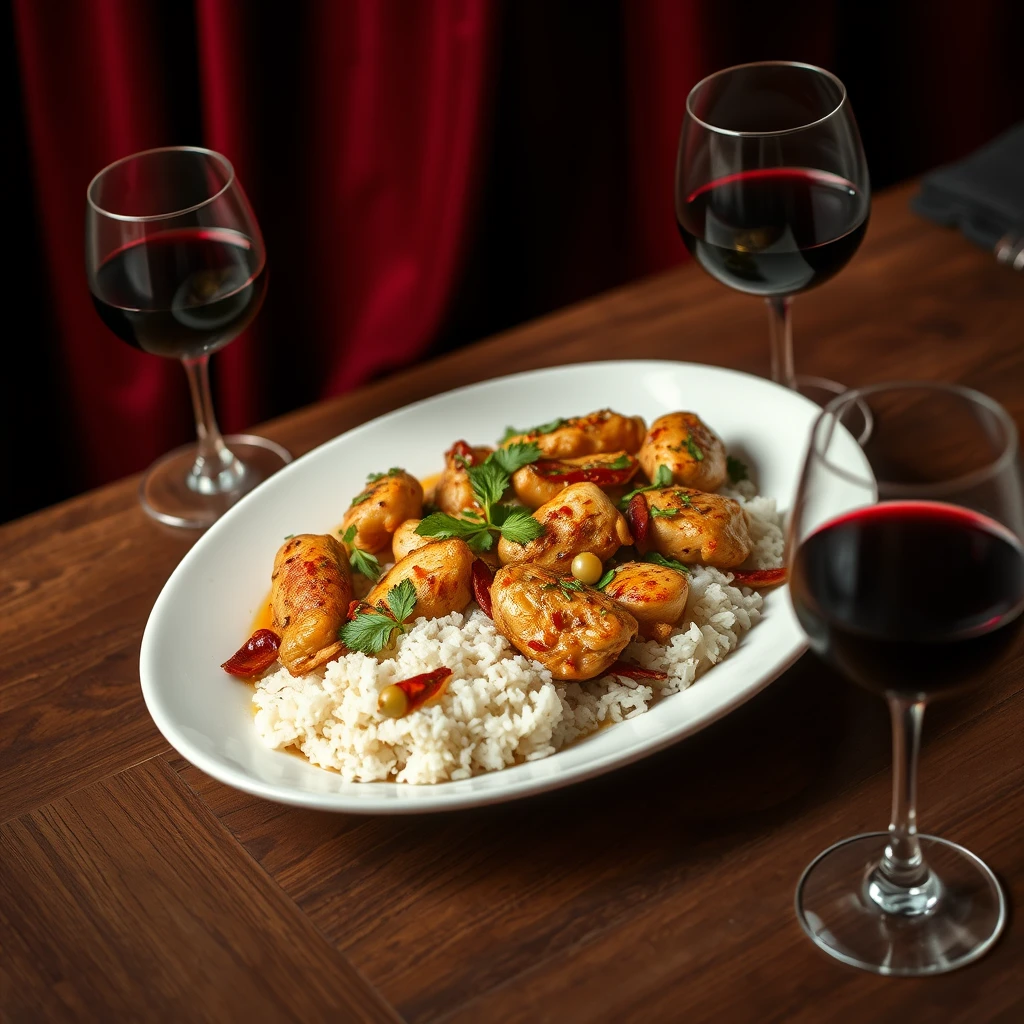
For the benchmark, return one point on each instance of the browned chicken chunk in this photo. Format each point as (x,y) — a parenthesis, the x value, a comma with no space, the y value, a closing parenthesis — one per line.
(572,630)
(540,481)
(454,493)
(387,502)
(690,449)
(694,526)
(581,518)
(441,572)
(601,431)
(407,540)
(654,595)
(311,588)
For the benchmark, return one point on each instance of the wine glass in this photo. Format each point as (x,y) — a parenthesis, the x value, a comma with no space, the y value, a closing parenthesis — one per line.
(772,192)
(177,268)
(914,591)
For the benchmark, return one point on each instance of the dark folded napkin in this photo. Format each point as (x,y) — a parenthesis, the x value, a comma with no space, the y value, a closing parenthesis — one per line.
(983,196)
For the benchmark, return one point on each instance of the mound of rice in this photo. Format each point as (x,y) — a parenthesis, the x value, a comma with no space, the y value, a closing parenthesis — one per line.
(500,708)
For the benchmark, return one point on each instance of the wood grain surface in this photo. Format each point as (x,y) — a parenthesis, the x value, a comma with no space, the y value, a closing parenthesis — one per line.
(134,887)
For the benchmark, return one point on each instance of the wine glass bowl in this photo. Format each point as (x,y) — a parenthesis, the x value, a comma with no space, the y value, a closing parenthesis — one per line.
(772,194)
(915,592)
(176,267)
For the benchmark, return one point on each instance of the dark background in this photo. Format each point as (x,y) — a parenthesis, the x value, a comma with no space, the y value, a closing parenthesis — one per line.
(556,193)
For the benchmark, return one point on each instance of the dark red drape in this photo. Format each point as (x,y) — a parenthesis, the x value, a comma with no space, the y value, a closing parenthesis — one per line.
(425,173)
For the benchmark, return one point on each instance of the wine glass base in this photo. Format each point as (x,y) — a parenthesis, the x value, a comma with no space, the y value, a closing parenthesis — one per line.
(821,390)
(960,925)
(166,496)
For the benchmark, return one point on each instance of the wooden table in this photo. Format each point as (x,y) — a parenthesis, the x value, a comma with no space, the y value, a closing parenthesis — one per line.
(132,886)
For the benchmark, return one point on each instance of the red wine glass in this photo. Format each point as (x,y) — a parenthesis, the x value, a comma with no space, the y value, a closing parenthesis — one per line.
(772,193)
(915,590)
(177,268)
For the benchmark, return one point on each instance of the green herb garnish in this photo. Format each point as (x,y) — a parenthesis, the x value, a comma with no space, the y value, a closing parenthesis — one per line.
(567,586)
(606,579)
(693,449)
(373,478)
(544,428)
(489,481)
(662,478)
(669,563)
(736,468)
(664,513)
(361,561)
(371,631)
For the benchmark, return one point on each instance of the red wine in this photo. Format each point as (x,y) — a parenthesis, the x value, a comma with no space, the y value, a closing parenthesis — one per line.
(910,597)
(182,293)
(776,231)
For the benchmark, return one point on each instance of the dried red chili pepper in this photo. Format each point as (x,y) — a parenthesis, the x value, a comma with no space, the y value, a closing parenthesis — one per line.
(759,577)
(536,645)
(597,473)
(624,668)
(638,517)
(482,580)
(407,695)
(257,654)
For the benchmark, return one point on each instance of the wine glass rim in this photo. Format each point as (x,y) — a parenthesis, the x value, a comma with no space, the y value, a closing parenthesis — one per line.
(765,64)
(922,491)
(230,180)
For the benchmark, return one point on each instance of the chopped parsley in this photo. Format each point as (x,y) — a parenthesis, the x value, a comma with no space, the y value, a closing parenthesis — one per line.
(373,478)
(662,478)
(490,480)
(606,578)
(371,630)
(361,561)
(664,513)
(669,563)
(693,448)
(544,428)
(567,586)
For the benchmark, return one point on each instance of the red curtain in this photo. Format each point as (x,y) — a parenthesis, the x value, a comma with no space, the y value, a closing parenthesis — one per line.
(396,154)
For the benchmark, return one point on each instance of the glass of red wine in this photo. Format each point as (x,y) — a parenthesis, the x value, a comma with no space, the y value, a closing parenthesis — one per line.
(772,192)
(177,268)
(914,592)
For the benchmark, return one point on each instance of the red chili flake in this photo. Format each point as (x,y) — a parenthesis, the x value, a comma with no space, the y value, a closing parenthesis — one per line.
(482,580)
(759,577)
(254,656)
(419,689)
(565,510)
(462,449)
(630,671)
(536,645)
(638,517)
(557,619)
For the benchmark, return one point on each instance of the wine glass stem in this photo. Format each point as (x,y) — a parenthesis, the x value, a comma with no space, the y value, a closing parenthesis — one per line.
(780,326)
(216,470)
(902,863)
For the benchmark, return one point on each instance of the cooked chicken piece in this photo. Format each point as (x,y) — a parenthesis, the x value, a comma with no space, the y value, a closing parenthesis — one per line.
(572,630)
(693,526)
(690,449)
(441,572)
(540,481)
(386,503)
(311,588)
(453,492)
(601,431)
(407,540)
(581,518)
(654,595)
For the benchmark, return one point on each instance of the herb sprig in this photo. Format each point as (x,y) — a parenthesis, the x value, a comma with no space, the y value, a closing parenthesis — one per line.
(361,561)
(489,480)
(568,587)
(373,478)
(662,478)
(371,631)
(669,563)
(544,428)
(693,448)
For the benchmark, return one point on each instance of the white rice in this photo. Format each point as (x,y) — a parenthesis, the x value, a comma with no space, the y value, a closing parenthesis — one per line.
(500,708)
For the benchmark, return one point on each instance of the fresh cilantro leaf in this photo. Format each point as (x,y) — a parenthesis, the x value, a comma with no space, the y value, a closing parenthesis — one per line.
(515,456)
(401,600)
(544,428)
(669,563)
(664,513)
(736,468)
(622,462)
(442,526)
(368,632)
(516,524)
(662,478)
(360,498)
(489,481)
(605,579)
(693,448)
(361,561)
(372,478)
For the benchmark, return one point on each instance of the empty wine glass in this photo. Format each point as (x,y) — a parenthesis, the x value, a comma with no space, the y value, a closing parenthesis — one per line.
(772,193)
(938,484)
(177,268)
